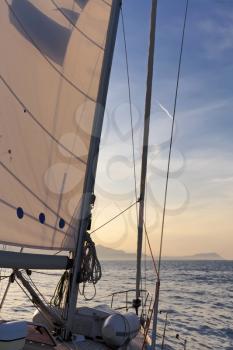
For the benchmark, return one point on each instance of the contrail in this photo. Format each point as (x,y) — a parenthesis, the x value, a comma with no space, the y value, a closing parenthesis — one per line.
(165,110)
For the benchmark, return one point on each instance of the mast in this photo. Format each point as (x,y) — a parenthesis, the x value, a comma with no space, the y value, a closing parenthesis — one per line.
(93,159)
(145,147)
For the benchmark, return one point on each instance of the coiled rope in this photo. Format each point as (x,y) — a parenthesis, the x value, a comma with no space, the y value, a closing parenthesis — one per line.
(60,291)
(91,271)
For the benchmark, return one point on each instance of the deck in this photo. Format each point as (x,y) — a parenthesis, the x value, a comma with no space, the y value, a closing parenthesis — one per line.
(136,344)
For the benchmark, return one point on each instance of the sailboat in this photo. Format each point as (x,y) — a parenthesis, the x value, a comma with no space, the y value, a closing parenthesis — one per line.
(55,64)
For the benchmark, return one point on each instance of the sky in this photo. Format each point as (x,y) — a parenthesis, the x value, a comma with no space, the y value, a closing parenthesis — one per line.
(199,206)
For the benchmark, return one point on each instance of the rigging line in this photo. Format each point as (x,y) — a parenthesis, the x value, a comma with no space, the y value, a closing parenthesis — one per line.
(148,328)
(145,238)
(172,137)
(145,265)
(45,57)
(149,245)
(114,217)
(38,122)
(30,191)
(27,295)
(9,205)
(74,25)
(28,278)
(31,300)
(130,107)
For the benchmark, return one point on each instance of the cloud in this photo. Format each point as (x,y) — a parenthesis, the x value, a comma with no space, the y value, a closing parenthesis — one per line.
(217,33)
(203,143)
(223,179)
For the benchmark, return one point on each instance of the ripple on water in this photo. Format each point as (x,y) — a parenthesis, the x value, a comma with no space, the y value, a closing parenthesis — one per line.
(197,296)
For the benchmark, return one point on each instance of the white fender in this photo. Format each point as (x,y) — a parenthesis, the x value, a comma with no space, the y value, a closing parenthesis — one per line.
(119,329)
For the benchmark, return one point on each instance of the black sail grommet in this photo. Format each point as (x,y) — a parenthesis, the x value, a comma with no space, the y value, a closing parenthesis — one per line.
(42,218)
(61,223)
(20,212)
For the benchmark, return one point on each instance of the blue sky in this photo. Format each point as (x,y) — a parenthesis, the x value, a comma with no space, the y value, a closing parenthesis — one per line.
(200,196)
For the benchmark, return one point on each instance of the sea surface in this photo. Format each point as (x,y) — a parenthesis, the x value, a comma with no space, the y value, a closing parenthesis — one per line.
(197,297)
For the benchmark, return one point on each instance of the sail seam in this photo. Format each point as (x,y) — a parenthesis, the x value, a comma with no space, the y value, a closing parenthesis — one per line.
(74,25)
(12,206)
(106,3)
(30,191)
(46,59)
(37,121)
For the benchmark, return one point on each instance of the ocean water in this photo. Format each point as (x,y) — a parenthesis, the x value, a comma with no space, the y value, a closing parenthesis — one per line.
(196,295)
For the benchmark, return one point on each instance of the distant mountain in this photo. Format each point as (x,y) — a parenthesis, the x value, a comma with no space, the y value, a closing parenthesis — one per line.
(204,256)
(105,253)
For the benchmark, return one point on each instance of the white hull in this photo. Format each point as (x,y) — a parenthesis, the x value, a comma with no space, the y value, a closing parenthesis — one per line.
(136,344)
(33,336)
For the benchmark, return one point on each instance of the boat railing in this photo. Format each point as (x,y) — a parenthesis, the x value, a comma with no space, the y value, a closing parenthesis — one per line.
(126,303)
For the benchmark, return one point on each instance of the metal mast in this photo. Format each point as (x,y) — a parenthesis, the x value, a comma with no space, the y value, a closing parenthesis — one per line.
(145,147)
(93,158)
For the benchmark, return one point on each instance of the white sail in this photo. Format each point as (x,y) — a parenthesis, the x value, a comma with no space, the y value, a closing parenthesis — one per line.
(50,67)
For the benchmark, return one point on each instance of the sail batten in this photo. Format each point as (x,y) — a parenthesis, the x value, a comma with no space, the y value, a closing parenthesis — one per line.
(49,81)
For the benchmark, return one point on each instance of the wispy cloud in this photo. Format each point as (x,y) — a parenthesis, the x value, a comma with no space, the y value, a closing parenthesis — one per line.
(218,30)
(223,179)
(203,144)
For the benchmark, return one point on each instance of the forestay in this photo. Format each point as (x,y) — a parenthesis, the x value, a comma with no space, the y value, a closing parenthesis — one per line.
(50,66)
